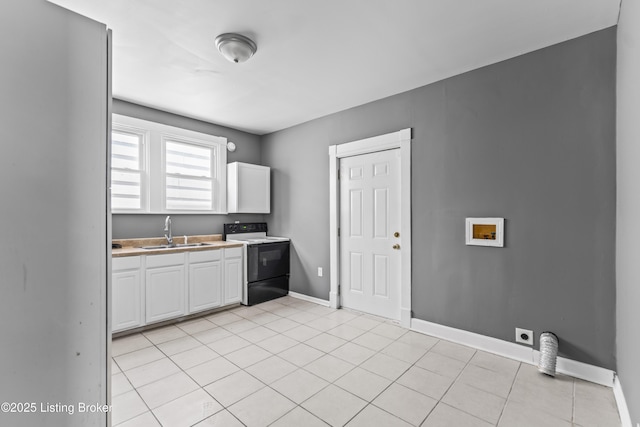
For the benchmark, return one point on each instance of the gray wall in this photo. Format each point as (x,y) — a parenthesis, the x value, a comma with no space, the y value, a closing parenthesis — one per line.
(151,225)
(628,232)
(53,263)
(531,139)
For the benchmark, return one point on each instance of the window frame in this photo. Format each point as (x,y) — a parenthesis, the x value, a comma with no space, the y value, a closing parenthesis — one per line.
(155,147)
(215,173)
(143,134)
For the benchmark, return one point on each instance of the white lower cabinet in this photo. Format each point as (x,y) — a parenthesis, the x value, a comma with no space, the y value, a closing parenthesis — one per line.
(233,275)
(126,290)
(152,288)
(205,280)
(165,287)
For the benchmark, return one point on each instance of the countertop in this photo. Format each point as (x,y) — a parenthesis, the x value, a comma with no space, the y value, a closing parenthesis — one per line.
(133,247)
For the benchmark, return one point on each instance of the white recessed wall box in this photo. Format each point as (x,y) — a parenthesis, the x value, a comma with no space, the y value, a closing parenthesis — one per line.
(485,232)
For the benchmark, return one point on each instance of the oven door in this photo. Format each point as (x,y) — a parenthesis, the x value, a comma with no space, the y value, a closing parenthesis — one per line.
(267,260)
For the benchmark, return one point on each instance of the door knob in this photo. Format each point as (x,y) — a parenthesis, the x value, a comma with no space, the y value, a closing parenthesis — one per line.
(396,246)
(396,234)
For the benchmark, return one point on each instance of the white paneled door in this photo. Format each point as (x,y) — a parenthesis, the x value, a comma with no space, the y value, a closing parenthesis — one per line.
(370,248)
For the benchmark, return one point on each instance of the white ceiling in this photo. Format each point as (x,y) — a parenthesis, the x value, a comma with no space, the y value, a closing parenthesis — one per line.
(317,57)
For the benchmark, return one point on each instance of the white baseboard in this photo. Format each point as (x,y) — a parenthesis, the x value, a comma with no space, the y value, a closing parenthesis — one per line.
(584,371)
(623,409)
(308,298)
(481,342)
(515,351)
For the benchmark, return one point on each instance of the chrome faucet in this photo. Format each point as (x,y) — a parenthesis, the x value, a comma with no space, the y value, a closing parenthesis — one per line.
(167,230)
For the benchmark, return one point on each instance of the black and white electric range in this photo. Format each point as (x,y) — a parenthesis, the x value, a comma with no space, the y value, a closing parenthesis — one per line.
(266,261)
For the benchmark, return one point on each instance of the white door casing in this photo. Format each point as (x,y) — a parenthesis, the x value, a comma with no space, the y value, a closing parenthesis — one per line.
(402,140)
(369,218)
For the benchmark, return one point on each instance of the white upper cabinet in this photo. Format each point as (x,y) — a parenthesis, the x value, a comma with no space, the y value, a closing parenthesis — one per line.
(248,188)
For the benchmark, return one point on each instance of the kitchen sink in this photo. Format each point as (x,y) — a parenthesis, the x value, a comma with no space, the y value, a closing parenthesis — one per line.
(179,245)
(158,247)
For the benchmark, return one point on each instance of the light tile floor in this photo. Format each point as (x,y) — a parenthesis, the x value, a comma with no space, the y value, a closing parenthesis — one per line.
(293,363)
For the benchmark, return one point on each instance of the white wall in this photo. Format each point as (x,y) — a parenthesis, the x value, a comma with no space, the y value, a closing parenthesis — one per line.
(628,188)
(53,251)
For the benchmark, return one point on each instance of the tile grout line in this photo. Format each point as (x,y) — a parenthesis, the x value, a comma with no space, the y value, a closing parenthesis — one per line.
(136,388)
(303,368)
(181,370)
(240,368)
(509,395)
(340,323)
(382,391)
(333,382)
(393,382)
(455,381)
(273,354)
(244,370)
(368,402)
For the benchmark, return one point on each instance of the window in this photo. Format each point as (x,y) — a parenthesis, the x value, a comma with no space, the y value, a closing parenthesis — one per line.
(157,168)
(188,176)
(127,169)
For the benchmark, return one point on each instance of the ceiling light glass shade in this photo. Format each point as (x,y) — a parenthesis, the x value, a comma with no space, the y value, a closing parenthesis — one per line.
(235,47)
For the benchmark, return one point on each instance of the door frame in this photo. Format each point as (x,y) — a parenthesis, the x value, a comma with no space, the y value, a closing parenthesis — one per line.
(402,140)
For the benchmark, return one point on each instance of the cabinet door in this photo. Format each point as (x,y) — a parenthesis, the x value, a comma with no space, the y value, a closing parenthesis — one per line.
(232,280)
(165,293)
(205,285)
(248,188)
(126,311)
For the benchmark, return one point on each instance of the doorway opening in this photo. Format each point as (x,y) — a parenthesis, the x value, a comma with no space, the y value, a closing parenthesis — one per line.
(385,156)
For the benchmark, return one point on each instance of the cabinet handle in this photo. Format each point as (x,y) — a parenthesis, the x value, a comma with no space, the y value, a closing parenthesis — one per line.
(396,246)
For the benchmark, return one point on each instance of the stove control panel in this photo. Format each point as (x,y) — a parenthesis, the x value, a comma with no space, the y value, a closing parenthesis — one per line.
(244,227)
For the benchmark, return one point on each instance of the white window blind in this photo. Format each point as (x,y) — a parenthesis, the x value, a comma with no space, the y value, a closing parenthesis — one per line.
(126,170)
(189,176)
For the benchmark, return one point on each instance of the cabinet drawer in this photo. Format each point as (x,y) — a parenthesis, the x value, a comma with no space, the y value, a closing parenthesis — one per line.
(165,260)
(232,252)
(204,256)
(125,263)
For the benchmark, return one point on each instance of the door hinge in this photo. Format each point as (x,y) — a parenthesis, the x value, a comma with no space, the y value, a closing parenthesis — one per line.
(338,231)
(339,289)
(338,174)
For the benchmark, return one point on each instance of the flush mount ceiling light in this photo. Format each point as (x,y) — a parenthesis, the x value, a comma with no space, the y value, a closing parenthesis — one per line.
(235,47)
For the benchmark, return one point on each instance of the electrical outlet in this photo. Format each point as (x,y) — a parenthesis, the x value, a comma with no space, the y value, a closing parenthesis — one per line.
(524,336)
(319,271)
